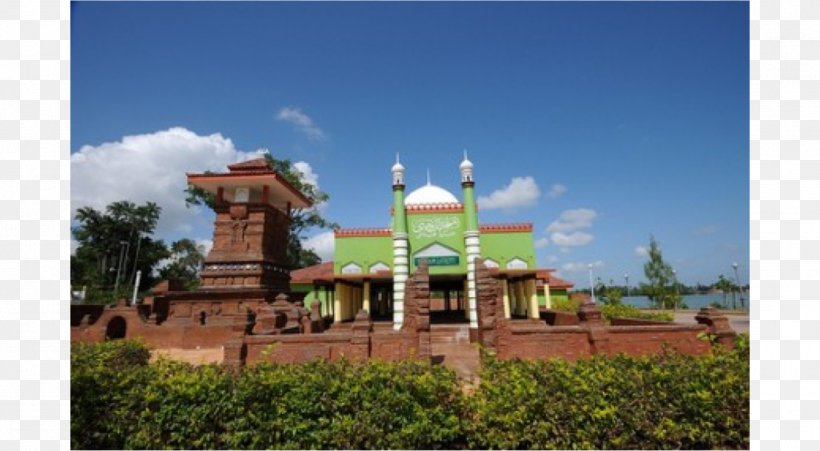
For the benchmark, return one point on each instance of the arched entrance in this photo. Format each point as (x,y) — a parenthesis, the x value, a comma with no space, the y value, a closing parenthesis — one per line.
(115,328)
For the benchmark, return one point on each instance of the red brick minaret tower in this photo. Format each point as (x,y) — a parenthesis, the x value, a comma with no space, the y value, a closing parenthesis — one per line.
(252,205)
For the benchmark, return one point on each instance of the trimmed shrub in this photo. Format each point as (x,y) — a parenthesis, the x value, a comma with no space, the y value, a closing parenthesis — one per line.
(566,305)
(628,311)
(347,406)
(667,401)
(101,376)
(172,405)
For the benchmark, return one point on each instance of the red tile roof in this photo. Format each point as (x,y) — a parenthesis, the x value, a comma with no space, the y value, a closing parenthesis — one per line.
(322,271)
(258,168)
(257,164)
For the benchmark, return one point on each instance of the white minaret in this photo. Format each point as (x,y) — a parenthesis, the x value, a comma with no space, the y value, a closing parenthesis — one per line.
(471,237)
(400,247)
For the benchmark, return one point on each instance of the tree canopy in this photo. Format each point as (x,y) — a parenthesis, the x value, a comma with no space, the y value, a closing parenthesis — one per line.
(302,219)
(661,277)
(185,263)
(113,245)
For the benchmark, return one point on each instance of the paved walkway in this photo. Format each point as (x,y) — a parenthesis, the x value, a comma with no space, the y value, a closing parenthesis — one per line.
(451,347)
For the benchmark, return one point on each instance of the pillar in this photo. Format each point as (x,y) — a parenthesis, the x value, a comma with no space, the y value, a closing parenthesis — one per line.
(506,297)
(533,292)
(337,303)
(366,296)
(547,297)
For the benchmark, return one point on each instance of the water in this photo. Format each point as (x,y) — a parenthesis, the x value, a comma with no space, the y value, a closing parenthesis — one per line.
(693,301)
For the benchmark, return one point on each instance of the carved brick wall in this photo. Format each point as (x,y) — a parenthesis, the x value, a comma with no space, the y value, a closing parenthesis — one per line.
(250,246)
(417,312)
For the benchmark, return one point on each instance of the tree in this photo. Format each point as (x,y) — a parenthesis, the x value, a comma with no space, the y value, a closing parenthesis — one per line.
(115,243)
(186,262)
(660,276)
(608,294)
(725,286)
(302,219)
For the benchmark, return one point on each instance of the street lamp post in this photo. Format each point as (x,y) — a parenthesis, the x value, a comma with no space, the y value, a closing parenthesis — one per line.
(677,293)
(591,286)
(739,287)
(119,268)
(626,277)
(137,256)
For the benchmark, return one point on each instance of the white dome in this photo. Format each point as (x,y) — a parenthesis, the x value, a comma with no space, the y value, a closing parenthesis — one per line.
(430,194)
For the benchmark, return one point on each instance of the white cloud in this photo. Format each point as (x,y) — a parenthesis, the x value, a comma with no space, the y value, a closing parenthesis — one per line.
(151,167)
(322,244)
(206,245)
(571,239)
(641,251)
(706,230)
(521,192)
(556,191)
(308,176)
(302,122)
(541,242)
(581,266)
(579,218)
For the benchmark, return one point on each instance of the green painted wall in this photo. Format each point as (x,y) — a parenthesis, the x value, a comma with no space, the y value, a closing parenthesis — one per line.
(446,229)
(362,250)
(503,247)
(555,295)
(312,295)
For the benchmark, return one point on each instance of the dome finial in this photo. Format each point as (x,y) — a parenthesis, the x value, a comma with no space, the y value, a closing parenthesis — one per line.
(398,162)
(398,172)
(466,168)
(428,177)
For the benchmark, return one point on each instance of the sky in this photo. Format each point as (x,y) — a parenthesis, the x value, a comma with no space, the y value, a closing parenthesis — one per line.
(602,123)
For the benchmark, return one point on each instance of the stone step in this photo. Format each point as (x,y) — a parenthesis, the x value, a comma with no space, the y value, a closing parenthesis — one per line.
(449,334)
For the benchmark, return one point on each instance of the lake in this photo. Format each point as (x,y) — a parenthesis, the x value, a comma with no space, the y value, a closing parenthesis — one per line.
(693,301)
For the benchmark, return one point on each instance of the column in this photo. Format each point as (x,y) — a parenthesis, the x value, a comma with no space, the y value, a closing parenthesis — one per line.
(506,297)
(337,303)
(366,296)
(533,292)
(547,297)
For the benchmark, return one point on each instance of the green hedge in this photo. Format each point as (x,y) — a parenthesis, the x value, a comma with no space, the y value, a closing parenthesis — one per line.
(627,311)
(172,405)
(667,401)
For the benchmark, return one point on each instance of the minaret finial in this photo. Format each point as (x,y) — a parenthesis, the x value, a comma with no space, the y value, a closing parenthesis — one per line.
(465,154)
(428,177)
(397,157)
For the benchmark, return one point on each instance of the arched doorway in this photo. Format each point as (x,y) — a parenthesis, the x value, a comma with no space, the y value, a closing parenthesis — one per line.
(115,328)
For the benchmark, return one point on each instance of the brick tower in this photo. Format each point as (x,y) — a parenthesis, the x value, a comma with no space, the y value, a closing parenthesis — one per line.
(252,205)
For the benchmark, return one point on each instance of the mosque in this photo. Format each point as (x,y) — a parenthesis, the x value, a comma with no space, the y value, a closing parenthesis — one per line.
(371,265)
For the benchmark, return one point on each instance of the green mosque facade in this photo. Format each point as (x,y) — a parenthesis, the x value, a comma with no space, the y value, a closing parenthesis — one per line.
(370,265)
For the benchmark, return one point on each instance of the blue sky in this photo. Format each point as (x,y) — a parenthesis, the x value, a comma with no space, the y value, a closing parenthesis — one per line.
(600,122)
